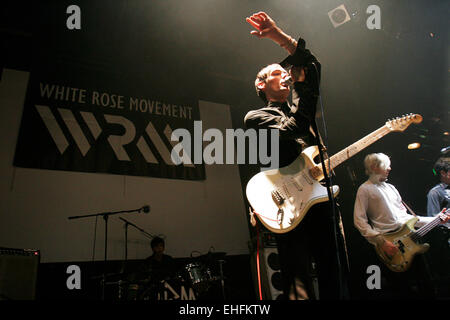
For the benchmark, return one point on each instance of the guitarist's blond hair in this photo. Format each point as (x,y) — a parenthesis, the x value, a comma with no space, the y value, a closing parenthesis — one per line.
(376,160)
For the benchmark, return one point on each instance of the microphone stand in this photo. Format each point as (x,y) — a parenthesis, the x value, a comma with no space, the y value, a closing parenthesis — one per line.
(105,216)
(128,223)
(333,217)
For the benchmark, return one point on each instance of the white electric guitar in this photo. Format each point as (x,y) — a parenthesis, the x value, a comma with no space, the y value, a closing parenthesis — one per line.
(281,197)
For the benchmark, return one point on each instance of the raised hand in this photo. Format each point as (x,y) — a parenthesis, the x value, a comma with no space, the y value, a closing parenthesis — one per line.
(265,26)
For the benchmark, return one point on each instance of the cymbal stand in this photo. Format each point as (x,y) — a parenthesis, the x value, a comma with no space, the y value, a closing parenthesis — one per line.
(128,223)
(105,216)
(222,282)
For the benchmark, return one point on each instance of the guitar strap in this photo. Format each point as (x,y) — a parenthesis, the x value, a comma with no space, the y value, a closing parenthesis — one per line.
(403,202)
(409,209)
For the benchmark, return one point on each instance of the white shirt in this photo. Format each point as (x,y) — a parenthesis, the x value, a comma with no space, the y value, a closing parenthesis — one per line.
(379,209)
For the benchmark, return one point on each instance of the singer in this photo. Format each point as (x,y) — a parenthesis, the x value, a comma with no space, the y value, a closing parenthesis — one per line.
(307,253)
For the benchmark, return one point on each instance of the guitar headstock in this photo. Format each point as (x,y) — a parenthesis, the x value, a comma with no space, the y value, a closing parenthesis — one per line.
(401,123)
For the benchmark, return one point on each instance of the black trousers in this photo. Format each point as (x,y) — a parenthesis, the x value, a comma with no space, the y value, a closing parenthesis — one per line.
(309,257)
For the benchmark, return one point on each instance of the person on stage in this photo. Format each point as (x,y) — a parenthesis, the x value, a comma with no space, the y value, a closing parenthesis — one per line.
(379,209)
(307,253)
(161,265)
(438,197)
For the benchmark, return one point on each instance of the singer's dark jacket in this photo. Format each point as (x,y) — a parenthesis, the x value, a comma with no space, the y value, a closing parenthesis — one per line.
(292,119)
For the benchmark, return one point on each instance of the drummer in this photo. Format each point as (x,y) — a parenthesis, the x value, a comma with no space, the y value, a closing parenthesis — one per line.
(160,265)
(147,281)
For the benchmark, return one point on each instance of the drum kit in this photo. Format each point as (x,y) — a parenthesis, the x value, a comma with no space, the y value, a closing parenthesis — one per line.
(198,275)
(192,281)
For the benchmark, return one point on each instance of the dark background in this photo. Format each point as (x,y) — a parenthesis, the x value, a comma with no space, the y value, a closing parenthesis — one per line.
(204,49)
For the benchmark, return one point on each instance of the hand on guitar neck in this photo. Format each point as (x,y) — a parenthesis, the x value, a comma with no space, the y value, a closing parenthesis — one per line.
(444,215)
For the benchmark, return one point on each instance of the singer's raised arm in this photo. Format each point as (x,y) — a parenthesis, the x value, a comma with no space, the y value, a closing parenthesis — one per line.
(267,28)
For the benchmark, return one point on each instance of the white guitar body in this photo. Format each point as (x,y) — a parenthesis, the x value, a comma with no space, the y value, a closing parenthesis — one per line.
(281,197)
(296,186)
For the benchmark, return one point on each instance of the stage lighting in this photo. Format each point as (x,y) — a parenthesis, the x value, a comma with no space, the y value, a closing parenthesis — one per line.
(338,16)
(413,146)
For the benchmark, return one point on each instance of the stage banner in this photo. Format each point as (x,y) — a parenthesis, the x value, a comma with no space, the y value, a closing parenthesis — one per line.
(92,119)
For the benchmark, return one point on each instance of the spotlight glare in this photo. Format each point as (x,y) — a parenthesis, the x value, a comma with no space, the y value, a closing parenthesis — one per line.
(415,145)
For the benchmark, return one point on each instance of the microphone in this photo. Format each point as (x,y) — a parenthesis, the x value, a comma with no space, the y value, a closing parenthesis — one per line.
(145,208)
(288,81)
(444,150)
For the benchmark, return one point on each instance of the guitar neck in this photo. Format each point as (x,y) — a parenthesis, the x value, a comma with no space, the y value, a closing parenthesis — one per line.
(356,147)
(426,228)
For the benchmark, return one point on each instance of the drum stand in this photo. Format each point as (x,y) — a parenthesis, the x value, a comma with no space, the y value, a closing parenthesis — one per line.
(105,216)
(222,282)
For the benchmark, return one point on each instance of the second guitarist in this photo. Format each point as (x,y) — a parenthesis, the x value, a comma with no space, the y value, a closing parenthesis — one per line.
(379,210)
